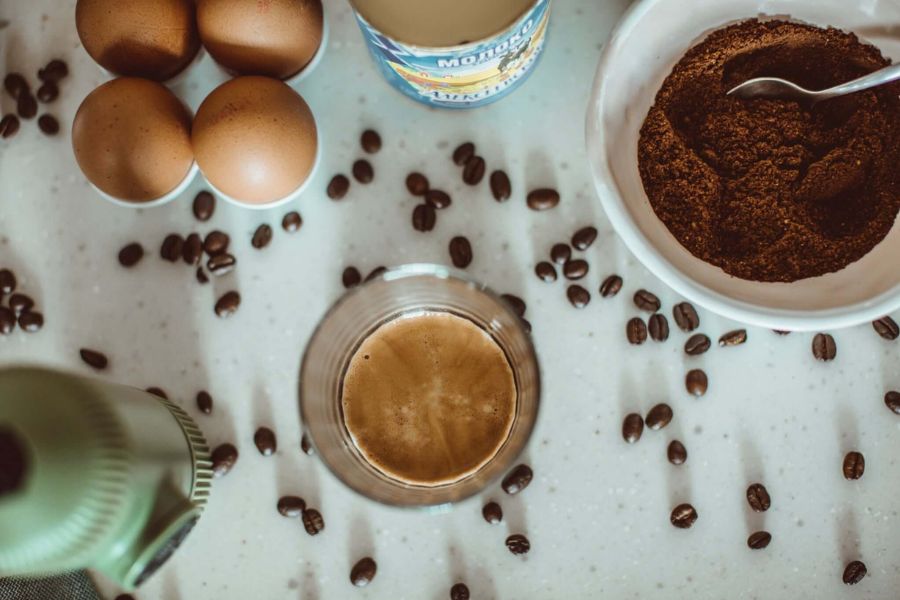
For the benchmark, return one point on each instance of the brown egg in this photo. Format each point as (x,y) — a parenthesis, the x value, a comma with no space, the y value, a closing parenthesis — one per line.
(276,38)
(155,39)
(255,139)
(132,139)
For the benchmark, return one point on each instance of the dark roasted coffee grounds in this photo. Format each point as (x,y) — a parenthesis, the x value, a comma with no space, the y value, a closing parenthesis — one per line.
(771,189)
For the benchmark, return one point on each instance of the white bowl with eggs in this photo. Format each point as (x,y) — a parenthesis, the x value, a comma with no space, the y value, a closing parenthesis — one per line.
(650,39)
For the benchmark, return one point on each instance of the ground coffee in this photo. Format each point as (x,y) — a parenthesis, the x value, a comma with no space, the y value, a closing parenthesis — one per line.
(772,190)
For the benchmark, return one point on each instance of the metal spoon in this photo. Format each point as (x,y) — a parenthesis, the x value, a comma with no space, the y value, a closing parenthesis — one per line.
(773,87)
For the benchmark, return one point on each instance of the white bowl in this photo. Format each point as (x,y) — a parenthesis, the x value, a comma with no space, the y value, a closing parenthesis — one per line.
(652,36)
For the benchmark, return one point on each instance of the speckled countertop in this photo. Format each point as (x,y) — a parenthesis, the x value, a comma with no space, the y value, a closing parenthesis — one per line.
(597,512)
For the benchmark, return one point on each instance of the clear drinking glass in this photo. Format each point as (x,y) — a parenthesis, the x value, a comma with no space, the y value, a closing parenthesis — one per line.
(398,291)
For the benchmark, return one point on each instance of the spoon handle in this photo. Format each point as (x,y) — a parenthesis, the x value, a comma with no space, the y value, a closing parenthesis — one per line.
(879,77)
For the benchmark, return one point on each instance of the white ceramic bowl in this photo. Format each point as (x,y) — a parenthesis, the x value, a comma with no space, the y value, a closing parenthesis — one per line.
(652,36)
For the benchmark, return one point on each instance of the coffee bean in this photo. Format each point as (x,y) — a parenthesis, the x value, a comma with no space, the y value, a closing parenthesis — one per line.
(172,247)
(823,347)
(683,516)
(370,141)
(460,252)
(338,187)
(696,382)
(363,171)
(93,358)
(545,271)
(220,264)
(697,344)
(610,286)
(20,303)
(291,506)
(54,71)
(854,572)
(201,276)
(459,591)
(517,304)
(632,427)
(517,479)
(223,459)
(15,84)
(204,402)
(48,92)
(686,317)
(48,124)
(758,497)
(216,242)
(26,106)
(158,392)
(363,572)
(733,338)
(473,171)
(636,331)
(265,441)
(351,277)
(375,273)
(7,282)
(659,327)
(759,540)
(7,321)
(892,401)
(584,237)
(292,222)
(31,322)
(192,251)
(492,513)
(9,126)
(463,153)
(542,199)
(560,253)
(501,188)
(518,544)
(575,269)
(887,328)
(438,199)
(228,304)
(417,184)
(854,465)
(647,301)
(131,255)
(424,218)
(659,416)
(204,206)
(261,237)
(676,452)
(306,445)
(578,296)
(313,522)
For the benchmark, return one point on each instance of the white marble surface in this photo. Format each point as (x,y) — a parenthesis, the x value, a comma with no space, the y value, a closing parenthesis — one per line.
(597,512)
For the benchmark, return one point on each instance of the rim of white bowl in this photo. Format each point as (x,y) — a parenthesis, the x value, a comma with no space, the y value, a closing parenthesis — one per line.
(176,191)
(738,310)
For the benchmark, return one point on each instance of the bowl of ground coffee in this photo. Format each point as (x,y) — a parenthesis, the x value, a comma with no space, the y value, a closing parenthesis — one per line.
(770,212)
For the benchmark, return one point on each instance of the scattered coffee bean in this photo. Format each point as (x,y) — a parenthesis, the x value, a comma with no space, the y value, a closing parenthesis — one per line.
(7,282)
(158,392)
(204,402)
(9,126)
(204,206)
(26,106)
(697,344)
(892,401)
(351,277)
(291,506)
(93,358)
(20,303)
(48,124)
(658,326)
(659,416)
(370,141)
(7,321)
(560,253)
(292,222)
(545,271)
(584,237)
(223,459)
(460,252)
(172,247)
(417,184)
(854,572)
(15,84)
(632,427)
(575,269)
(683,516)
(887,328)
(492,513)
(338,187)
(438,199)
(424,218)
(363,572)
(854,465)
(759,540)
(265,441)
(473,171)
(686,317)
(517,479)
(542,199)
(220,264)
(48,92)
(646,301)
(733,338)
(363,171)
(216,242)
(758,497)
(696,382)
(459,591)
(31,322)
(131,255)
(578,296)
(676,452)
(306,445)
(261,237)
(192,251)
(610,286)
(201,276)
(501,188)
(463,153)
(228,304)
(375,273)
(517,304)
(54,71)
(518,544)
(636,331)
(823,347)
(313,522)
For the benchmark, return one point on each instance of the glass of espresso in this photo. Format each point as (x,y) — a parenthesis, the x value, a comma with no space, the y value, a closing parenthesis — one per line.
(419,387)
